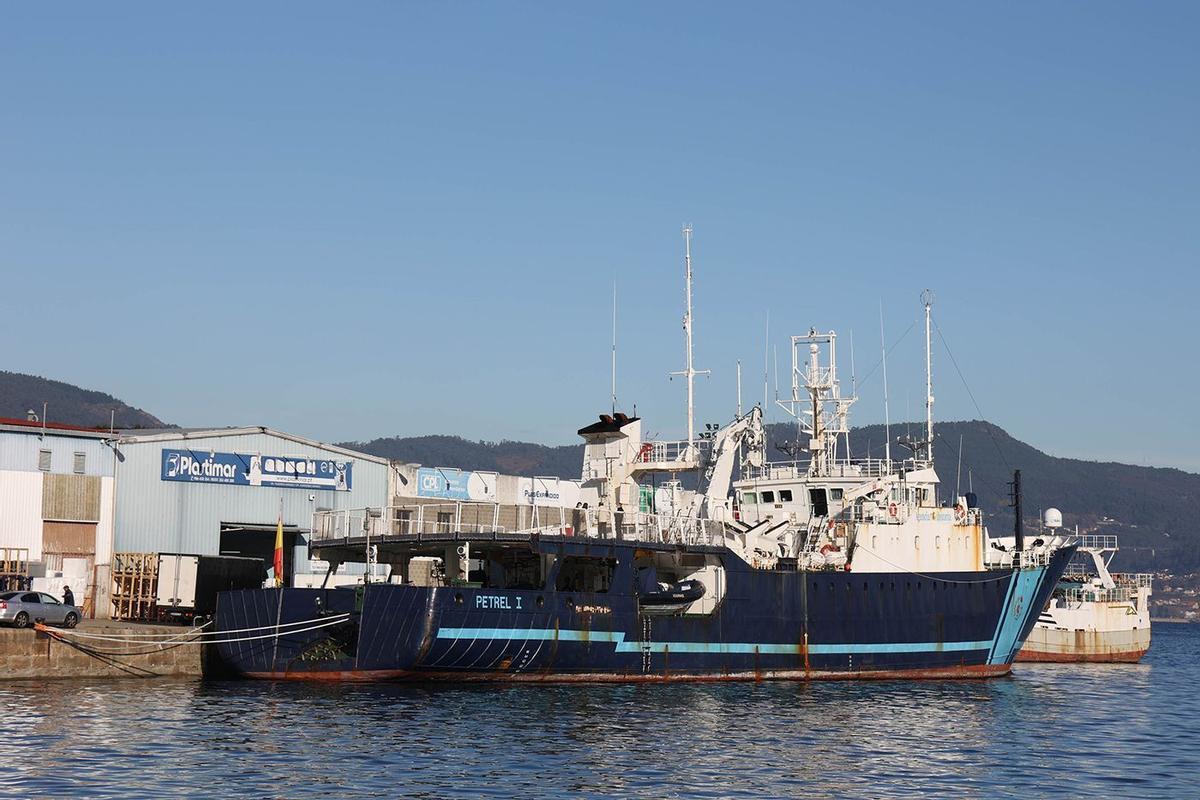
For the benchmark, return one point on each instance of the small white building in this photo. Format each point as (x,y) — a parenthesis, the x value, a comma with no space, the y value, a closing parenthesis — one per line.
(56,501)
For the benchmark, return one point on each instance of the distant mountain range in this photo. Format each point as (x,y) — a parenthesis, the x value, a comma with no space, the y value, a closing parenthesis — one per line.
(68,404)
(1152,509)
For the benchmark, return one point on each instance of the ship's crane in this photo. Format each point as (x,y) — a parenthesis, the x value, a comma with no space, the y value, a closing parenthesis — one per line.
(744,433)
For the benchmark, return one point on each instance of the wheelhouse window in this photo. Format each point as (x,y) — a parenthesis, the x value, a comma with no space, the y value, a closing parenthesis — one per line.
(835,494)
(785,495)
(749,498)
(768,497)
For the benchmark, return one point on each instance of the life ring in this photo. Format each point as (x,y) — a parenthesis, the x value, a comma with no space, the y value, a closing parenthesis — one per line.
(893,510)
(960,514)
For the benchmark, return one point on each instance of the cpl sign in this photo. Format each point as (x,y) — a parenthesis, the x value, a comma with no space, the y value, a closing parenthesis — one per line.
(456,484)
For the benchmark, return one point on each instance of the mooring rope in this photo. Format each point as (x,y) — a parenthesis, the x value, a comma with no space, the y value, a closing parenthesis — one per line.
(167,637)
(170,644)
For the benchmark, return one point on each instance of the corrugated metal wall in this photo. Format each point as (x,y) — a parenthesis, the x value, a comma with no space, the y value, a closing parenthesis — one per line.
(154,515)
(19,451)
(21,511)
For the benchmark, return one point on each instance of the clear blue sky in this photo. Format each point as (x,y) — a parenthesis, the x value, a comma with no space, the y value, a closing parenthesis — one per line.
(349,221)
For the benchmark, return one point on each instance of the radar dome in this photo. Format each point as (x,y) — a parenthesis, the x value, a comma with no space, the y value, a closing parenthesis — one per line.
(1052,518)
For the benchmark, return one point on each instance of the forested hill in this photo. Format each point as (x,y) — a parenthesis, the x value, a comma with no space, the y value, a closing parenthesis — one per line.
(67,404)
(1148,507)
(514,458)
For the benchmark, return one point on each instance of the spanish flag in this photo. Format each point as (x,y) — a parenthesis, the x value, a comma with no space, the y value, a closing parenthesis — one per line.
(279,547)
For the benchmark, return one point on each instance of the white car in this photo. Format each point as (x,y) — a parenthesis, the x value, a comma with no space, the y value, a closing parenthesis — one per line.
(21,608)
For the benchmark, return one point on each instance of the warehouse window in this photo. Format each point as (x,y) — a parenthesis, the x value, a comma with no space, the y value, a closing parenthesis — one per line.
(80,463)
(44,460)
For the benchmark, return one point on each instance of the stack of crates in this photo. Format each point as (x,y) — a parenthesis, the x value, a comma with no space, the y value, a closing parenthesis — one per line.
(14,568)
(135,586)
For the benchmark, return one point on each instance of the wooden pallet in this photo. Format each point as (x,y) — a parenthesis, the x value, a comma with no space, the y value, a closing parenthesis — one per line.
(135,586)
(14,568)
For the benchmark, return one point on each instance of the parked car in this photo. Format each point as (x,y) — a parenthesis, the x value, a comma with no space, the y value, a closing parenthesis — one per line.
(21,608)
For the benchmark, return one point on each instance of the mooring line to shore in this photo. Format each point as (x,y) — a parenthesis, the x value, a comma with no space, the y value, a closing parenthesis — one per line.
(177,641)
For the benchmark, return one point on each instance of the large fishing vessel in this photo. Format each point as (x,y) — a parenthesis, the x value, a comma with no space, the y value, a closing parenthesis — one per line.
(1094,614)
(824,567)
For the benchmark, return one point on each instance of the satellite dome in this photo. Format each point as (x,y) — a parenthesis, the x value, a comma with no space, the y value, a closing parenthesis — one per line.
(1052,518)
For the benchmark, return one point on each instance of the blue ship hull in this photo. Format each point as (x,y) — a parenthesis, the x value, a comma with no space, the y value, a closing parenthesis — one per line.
(768,625)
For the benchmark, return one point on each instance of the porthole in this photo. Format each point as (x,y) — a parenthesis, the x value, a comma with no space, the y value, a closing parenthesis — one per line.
(458,598)
(540,602)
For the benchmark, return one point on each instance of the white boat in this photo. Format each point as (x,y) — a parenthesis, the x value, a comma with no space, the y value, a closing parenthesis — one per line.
(1094,614)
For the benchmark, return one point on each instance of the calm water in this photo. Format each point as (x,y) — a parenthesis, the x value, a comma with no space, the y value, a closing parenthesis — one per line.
(1048,730)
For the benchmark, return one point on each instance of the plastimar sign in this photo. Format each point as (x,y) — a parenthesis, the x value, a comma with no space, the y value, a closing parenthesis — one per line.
(241,469)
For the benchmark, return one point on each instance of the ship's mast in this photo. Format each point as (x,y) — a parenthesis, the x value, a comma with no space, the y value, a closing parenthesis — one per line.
(689,371)
(927,299)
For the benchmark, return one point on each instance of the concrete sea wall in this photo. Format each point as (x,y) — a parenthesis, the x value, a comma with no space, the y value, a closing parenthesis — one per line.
(28,654)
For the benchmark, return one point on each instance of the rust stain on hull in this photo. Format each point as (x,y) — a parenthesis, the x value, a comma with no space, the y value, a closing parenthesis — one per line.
(1127,657)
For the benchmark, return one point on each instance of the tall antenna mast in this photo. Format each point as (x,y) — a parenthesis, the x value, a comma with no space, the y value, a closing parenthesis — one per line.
(927,299)
(853,376)
(958,472)
(766,363)
(614,350)
(887,420)
(689,371)
(739,384)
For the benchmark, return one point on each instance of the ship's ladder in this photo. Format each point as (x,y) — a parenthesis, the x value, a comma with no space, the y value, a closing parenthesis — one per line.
(816,528)
(647,635)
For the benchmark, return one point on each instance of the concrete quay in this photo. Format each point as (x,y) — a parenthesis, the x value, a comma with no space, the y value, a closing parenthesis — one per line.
(27,653)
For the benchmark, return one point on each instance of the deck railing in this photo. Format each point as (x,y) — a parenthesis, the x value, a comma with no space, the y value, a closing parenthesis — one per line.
(857,467)
(451,518)
(1096,594)
(434,518)
(1026,559)
(1094,541)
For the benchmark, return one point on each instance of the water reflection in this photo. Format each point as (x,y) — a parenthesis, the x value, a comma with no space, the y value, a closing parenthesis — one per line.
(1050,729)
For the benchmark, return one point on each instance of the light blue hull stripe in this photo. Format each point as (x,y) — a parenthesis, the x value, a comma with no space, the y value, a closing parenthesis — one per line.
(618,638)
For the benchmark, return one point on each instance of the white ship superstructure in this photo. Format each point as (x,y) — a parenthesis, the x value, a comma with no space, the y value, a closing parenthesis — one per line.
(829,510)
(1094,614)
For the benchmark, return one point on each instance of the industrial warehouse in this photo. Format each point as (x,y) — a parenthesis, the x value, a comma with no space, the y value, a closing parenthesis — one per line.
(99,509)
